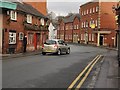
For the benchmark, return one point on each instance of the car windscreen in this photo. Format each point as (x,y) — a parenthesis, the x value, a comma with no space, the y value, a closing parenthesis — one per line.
(61,42)
(50,42)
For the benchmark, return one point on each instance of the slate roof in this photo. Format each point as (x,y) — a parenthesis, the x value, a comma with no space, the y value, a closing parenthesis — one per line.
(71,18)
(29,9)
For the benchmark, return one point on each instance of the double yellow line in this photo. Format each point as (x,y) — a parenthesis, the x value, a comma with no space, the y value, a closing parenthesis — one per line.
(88,69)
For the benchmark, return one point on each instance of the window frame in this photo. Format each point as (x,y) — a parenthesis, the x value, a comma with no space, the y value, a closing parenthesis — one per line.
(29,18)
(13,15)
(12,37)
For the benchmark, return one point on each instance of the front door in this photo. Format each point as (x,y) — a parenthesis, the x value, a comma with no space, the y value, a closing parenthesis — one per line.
(101,40)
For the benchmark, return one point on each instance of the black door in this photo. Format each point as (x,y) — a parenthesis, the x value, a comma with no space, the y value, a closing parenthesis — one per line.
(101,40)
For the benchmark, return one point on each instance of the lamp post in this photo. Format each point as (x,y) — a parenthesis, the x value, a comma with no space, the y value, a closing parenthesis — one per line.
(117,12)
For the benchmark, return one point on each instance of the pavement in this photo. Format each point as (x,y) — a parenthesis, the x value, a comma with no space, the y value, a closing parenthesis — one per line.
(8,56)
(109,76)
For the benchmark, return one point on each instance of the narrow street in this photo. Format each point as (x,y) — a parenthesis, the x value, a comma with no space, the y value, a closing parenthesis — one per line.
(51,71)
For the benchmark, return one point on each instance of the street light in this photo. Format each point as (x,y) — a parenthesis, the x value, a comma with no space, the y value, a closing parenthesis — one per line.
(116,9)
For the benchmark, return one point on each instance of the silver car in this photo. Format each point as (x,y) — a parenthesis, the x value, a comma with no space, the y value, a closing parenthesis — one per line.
(57,46)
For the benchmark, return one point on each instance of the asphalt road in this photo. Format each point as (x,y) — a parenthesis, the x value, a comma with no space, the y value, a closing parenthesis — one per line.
(49,71)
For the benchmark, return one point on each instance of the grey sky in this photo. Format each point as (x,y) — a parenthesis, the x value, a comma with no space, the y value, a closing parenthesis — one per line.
(63,8)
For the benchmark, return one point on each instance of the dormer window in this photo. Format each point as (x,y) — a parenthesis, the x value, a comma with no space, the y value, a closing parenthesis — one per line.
(29,18)
(13,15)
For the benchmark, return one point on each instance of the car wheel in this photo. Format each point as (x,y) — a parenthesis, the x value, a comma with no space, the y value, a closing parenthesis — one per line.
(59,52)
(68,51)
(43,53)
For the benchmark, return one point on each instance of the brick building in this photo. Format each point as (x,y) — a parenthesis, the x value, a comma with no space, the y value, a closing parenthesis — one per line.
(24,21)
(98,24)
(69,28)
(41,6)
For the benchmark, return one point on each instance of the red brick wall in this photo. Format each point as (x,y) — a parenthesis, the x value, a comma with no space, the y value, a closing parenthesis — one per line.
(40,6)
(107,15)
(13,25)
(61,31)
(76,32)
(19,27)
(107,20)
(68,32)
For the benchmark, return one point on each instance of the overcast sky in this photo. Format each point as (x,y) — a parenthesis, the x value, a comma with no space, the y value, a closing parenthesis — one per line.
(63,8)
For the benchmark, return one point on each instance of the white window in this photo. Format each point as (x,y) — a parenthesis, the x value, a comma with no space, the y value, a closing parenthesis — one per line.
(93,22)
(97,9)
(86,24)
(81,36)
(87,11)
(12,38)
(90,23)
(96,23)
(29,19)
(42,21)
(77,27)
(92,37)
(89,37)
(90,10)
(13,15)
(74,26)
(93,10)
(82,24)
(84,12)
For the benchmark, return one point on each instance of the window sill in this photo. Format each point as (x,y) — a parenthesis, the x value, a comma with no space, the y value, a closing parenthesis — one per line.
(13,20)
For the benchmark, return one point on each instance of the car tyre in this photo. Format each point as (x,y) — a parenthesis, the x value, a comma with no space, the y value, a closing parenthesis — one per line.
(43,53)
(59,52)
(68,51)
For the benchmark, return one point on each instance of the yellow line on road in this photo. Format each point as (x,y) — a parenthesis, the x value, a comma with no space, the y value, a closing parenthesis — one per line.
(86,75)
(74,82)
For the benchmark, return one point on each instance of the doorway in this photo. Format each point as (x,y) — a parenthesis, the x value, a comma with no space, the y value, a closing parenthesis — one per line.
(101,40)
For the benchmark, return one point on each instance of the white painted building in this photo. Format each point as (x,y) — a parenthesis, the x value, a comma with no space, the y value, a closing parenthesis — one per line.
(52,31)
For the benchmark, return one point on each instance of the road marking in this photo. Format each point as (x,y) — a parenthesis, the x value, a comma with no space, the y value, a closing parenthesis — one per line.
(88,72)
(79,76)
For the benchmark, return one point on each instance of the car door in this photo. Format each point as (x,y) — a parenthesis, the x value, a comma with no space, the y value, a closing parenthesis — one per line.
(62,45)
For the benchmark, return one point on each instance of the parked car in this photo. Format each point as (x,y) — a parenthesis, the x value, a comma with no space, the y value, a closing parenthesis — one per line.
(57,46)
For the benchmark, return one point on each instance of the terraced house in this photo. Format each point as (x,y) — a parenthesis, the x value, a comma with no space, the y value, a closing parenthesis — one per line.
(23,20)
(69,28)
(98,25)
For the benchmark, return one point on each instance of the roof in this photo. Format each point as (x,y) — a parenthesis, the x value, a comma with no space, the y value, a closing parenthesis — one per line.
(27,8)
(71,18)
(24,7)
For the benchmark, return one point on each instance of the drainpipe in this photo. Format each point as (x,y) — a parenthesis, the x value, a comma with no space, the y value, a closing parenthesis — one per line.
(72,32)
(64,31)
